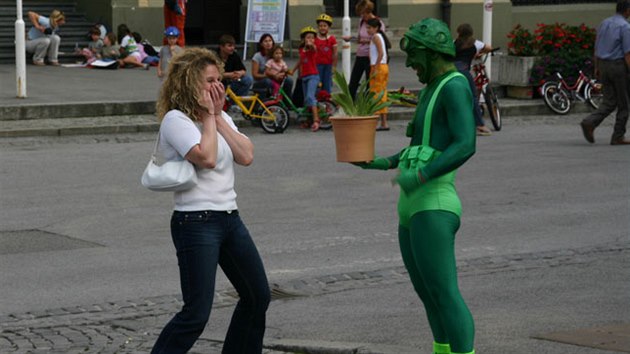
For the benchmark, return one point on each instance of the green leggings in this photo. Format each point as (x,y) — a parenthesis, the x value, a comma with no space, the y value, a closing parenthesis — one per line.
(427,248)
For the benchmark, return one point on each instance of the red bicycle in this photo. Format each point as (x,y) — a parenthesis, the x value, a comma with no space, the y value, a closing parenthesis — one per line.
(482,82)
(558,95)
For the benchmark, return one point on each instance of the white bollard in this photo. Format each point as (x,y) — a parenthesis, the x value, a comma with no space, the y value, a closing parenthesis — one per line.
(487,31)
(20,53)
(346,47)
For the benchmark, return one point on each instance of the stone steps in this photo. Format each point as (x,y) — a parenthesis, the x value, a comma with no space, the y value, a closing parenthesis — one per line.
(73,33)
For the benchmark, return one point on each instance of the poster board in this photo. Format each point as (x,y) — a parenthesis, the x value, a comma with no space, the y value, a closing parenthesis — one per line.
(265,16)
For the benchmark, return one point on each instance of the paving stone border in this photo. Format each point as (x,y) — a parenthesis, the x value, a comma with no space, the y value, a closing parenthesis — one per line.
(120,328)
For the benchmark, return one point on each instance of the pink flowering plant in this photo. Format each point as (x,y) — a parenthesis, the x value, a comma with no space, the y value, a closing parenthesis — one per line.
(560,48)
(520,43)
(564,49)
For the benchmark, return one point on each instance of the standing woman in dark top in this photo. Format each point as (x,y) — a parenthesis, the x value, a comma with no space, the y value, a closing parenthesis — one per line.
(466,49)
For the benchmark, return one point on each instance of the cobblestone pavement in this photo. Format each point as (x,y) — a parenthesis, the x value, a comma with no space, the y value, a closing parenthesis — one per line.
(129,327)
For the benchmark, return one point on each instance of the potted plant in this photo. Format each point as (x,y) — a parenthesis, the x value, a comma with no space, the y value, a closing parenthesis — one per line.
(354,125)
(516,67)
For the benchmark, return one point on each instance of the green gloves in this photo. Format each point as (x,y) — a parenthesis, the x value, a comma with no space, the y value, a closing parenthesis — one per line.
(379,163)
(409,180)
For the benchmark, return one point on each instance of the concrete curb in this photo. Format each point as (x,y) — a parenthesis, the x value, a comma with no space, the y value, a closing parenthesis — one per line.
(538,107)
(87,118)
(78,130)
(82,109)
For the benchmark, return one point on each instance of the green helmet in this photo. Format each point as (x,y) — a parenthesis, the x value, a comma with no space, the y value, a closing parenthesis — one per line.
(431,33)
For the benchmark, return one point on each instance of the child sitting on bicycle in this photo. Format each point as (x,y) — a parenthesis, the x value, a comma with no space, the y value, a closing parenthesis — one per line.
(308,72)
(276,68)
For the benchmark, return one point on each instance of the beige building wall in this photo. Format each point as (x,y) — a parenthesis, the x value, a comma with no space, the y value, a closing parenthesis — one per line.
(146,16)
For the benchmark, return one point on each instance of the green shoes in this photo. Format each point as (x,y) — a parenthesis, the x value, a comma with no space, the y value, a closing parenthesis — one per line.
(439,348)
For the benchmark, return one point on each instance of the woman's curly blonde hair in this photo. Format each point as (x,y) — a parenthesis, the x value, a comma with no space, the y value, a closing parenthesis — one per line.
(181,90)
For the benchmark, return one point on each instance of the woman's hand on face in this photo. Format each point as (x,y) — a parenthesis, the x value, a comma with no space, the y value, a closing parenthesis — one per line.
(217,92)
(212,100)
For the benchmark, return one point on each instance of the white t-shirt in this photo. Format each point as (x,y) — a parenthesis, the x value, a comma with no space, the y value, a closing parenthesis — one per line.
(479,45)
(215,187)
(374,51)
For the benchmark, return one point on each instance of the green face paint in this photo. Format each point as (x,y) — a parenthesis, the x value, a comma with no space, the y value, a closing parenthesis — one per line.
(418,60)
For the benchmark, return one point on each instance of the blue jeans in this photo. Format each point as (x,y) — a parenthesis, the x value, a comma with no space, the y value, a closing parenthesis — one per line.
(242,86)
(464,69)
(150,60)
(325,76)
(309,86)
(204,239)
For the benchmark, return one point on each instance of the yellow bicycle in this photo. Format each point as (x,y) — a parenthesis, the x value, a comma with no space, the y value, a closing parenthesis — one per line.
(272,120)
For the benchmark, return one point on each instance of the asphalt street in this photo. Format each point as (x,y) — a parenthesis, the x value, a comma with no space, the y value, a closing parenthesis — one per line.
(88,264)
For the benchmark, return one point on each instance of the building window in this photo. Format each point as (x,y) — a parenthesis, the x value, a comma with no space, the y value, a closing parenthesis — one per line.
(558,2)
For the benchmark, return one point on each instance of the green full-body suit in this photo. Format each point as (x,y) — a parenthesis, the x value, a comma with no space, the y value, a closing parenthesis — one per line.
(429,209)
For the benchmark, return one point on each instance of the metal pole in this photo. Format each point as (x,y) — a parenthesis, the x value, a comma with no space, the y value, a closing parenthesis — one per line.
(345,32)
(487,31)
(20,53)
(446,12)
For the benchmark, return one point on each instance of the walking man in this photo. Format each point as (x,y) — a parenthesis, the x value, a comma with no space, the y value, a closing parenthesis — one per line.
(612,66)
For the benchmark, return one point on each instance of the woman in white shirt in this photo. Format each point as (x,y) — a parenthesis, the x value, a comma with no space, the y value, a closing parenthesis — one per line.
(205,226)
(379,68)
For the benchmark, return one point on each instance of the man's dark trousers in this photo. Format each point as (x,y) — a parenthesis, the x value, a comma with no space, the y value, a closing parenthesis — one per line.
(614,79)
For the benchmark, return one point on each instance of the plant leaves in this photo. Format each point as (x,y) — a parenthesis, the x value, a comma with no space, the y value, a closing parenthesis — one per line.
(366,102)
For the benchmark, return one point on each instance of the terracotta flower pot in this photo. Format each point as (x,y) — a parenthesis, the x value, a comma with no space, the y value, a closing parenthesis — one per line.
(354,138)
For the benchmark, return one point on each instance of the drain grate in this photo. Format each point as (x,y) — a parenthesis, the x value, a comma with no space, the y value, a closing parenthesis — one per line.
(613,337)
(27,241)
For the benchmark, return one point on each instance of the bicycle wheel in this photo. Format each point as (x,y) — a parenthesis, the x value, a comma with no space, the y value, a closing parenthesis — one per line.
(326,110)
(593,94)
(279,124)
(556,98)
(494,112)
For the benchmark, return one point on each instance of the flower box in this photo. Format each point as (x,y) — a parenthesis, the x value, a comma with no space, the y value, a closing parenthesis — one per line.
(515,71)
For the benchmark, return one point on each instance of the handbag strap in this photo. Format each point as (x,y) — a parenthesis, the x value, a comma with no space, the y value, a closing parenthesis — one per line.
(426,130)
(155,148)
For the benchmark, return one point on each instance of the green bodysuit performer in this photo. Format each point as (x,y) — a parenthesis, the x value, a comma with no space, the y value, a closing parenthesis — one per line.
(442,138)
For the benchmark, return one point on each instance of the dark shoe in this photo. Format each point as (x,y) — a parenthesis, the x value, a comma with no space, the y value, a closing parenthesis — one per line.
(620,141)
(382,129)
(588,129)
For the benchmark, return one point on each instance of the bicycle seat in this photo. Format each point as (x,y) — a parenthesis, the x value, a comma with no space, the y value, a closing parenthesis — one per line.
(263,92)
